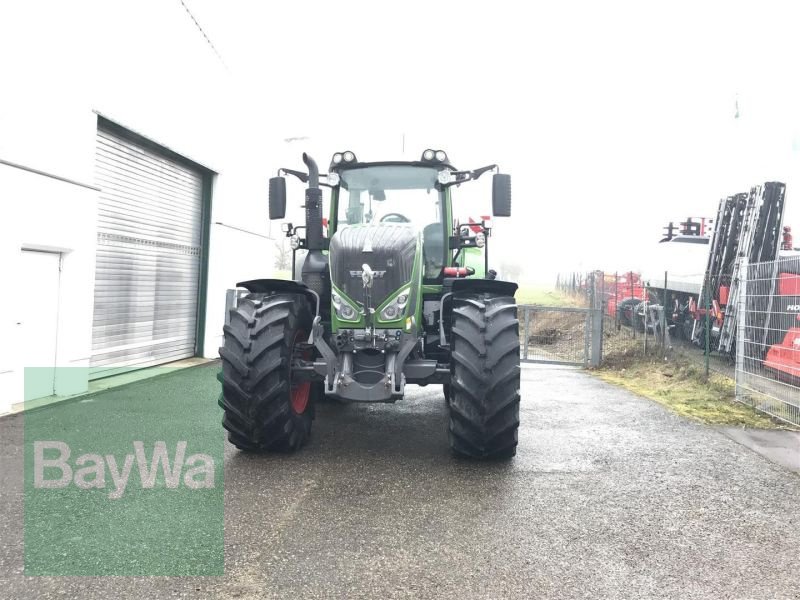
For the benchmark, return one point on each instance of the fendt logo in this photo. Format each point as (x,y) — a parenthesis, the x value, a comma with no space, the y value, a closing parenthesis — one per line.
(376,274)
(89,470)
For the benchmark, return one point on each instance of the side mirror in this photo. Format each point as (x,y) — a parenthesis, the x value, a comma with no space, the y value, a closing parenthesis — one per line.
(277,198)
(501,195)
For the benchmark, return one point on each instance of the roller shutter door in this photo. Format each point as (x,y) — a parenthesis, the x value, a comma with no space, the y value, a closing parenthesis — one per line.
(148,257)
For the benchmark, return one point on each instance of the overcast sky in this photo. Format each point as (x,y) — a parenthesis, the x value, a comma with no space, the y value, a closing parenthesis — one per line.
(612,117)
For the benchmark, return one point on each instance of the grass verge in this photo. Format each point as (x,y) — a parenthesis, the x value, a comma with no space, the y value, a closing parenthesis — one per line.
(682,387)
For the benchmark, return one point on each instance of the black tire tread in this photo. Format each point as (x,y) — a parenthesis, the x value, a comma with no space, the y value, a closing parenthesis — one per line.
(256,355)
(484,376)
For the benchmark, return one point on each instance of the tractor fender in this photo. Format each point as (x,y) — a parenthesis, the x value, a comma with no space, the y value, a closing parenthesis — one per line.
(265,286)
(456,285)
(491,286)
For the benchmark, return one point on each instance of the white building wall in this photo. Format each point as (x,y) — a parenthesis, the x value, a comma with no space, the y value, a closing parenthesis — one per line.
(171,89)
(55,216)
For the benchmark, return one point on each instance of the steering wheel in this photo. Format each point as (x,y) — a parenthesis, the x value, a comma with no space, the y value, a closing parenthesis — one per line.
(394,218)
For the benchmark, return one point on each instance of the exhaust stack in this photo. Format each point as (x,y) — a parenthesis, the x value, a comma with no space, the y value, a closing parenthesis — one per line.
(313,207)
(315,267)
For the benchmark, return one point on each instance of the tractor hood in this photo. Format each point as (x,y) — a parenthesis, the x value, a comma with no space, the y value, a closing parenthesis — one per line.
(388,248)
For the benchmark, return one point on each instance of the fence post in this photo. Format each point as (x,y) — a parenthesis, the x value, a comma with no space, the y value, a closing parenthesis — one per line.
(527,330)
(741,324)
(633,308)
(646,316)
(587,328)
(602,289)
(597,336)
(664,317)
(708,327)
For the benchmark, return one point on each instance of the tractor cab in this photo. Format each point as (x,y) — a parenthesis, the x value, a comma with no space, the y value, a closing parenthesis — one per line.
(388,195)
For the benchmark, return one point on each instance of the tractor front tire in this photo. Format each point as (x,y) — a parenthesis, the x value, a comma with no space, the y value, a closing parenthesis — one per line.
(484,376)
(264,409)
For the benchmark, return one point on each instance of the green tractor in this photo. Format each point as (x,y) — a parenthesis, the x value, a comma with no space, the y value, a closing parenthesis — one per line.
(392,295)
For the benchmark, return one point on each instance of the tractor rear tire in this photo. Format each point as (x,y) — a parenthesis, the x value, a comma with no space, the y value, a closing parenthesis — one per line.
(264,409)
(484,376)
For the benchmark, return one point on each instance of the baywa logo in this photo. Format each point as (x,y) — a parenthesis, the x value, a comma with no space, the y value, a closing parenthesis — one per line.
(88,471)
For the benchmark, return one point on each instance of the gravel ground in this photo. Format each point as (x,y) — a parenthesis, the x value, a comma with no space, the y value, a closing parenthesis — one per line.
(610,496)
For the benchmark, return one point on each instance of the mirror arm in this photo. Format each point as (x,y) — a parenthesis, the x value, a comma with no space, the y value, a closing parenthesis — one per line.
(478,172)
(299,174)
(464,176)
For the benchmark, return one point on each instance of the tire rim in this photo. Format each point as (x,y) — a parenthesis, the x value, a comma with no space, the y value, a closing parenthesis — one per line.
(300,391)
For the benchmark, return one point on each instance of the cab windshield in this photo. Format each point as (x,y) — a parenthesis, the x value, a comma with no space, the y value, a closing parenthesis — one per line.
(396,194)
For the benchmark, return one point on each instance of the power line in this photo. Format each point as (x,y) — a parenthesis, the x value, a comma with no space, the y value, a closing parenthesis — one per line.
(210,43)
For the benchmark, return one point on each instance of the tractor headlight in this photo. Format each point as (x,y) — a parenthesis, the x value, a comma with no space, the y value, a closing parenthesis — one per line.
(441,155)
(396,307)
(445,176)
(294,242)
(349,156)
(429,154)
(337,158)
(480,239)
(333,179)
(344,310)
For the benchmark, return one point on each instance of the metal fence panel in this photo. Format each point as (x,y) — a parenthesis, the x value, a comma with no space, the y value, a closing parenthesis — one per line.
(557,335)
(628,323)
(768,343)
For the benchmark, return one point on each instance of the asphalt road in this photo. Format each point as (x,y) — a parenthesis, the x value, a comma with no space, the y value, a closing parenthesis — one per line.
(609,496)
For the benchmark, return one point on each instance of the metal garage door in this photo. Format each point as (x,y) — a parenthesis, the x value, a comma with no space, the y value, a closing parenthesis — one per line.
(148,257)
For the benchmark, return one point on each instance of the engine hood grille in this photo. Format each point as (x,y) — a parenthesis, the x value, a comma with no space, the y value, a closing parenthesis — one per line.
(389,249)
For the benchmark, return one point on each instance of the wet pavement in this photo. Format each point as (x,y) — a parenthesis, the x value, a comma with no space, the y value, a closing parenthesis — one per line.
(780,447)
(609,496)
